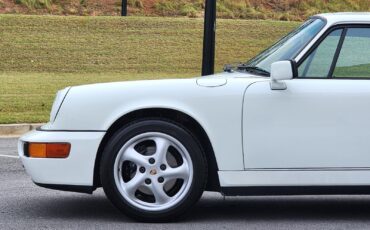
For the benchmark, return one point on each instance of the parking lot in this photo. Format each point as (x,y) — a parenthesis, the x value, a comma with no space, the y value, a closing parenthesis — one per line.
(23,205)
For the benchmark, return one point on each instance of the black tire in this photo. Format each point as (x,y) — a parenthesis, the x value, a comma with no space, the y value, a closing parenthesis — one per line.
(166,127)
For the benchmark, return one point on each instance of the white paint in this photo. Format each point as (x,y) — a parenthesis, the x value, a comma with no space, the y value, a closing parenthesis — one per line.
(211,82)
(217,109)
(77,169)
(281,70)
(294,178)
(313,123)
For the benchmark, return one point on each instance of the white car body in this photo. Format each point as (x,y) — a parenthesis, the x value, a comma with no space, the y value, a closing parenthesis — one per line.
(314,133)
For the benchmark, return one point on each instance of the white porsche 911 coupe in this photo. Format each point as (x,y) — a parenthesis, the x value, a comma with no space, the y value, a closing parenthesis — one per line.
(293,120)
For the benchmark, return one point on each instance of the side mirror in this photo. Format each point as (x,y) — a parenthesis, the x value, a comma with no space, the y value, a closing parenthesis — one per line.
(281,70)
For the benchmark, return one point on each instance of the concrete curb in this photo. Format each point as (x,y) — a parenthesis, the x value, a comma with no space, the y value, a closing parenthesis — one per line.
(17,129)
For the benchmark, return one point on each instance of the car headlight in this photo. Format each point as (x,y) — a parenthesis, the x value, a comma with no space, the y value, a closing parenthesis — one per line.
(58,102)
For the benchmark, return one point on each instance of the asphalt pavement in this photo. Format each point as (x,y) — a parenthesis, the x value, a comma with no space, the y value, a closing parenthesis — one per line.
(23,205)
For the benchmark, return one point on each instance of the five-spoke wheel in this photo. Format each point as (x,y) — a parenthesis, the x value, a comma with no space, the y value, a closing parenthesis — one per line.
(153,170)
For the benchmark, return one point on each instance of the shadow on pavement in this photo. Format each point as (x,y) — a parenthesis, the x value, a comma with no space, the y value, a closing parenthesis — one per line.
(310,208)
(306,208)
(84,207)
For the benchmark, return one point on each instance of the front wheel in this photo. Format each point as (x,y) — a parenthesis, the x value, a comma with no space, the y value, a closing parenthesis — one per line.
(153,170)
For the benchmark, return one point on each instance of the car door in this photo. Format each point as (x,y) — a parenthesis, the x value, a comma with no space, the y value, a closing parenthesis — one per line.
(322,119)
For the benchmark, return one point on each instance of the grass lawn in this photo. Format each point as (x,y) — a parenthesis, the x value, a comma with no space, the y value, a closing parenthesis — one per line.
(41,54)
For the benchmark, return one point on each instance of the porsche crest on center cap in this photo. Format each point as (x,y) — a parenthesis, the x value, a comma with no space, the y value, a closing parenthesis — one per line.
(153,172)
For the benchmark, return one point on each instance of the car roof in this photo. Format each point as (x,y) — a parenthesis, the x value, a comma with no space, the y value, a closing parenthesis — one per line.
(346,17)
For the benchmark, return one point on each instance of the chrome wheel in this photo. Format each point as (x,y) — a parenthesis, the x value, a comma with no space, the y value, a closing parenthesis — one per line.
(153,171)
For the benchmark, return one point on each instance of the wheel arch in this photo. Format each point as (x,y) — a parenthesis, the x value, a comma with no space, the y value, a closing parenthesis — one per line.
(181,118)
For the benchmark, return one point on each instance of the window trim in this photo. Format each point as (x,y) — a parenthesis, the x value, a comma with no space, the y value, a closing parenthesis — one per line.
(312,49)
(337,53)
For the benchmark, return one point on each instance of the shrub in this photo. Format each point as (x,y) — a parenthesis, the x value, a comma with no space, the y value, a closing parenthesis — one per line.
(188,10)
(135,3)
(35,4)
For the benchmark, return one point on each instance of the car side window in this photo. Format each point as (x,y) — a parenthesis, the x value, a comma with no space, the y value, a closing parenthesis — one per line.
(354,57)
(318,63)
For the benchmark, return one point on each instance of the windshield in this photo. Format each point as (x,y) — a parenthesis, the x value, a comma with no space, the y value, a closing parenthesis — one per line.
(289,46)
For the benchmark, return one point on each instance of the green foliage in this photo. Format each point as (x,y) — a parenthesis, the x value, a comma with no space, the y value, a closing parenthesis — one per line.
(307,8)
(287,10)
(83,3)
(181,8)
(36,4)
(166,7)
(135,3)
(224,10)
(188,10)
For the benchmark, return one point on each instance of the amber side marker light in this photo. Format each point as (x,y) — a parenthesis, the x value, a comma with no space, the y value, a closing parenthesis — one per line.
(47,150)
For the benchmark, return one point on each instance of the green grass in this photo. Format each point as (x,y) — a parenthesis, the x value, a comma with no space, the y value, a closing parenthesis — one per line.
(357,71)
(41,54)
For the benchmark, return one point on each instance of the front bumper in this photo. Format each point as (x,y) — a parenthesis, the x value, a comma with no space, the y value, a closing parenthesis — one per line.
(75,171)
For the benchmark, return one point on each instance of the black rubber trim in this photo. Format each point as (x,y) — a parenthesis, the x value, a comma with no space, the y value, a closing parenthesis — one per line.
(25,149)
(71,131)
(294,68)
(69,188)
(295,190)
(337,53)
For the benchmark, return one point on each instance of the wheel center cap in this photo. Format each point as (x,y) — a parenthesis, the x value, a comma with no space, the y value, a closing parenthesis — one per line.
(153,172)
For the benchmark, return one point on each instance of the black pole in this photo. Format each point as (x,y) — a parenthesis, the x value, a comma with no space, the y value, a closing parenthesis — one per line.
(124,8)
(209,39)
